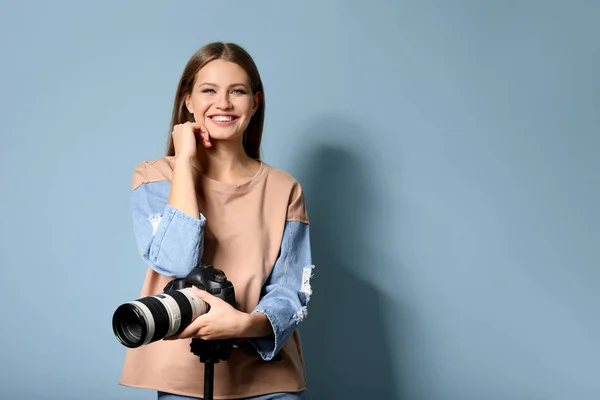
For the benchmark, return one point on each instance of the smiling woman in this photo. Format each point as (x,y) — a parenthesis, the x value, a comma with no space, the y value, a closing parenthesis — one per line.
(222,75)
(223,98)
(211,200)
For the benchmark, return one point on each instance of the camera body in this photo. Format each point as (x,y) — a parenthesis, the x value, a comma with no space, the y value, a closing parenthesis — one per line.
(207,278)
(151,318)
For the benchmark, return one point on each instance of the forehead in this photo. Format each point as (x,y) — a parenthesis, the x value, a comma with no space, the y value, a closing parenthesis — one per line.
(222,72)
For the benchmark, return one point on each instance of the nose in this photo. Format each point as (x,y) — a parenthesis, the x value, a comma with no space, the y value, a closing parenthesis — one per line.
(222,101)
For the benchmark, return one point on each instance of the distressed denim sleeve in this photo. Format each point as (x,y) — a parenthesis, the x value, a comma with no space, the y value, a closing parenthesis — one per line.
(287,291)
(169,240)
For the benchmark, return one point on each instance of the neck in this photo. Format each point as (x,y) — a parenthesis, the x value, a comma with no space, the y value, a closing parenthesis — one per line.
(227,161)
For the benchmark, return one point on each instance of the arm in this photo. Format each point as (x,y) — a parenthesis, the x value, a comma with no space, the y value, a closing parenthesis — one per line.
(286,293)
(183,191)
(167,225)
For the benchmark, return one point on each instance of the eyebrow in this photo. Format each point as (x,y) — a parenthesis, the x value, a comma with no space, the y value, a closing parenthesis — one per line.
(214,84)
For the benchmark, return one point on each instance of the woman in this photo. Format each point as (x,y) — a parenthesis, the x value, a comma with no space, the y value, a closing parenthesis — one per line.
(211,200)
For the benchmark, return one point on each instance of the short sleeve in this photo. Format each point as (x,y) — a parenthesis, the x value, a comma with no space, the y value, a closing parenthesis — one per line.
(296,210)
(168,240)
(287,291)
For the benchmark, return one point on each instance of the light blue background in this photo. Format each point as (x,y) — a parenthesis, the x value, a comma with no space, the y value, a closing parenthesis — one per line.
(450,152)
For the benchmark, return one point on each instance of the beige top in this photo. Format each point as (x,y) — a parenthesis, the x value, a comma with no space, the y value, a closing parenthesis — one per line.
(243,235)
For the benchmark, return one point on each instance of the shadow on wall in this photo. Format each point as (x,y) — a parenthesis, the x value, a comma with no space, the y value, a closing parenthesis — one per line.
(345,340)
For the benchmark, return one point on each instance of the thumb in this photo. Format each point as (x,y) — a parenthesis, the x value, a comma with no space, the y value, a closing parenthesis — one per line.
(204,295)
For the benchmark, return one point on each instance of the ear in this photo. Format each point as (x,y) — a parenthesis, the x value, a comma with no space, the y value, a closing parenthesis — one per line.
(257,101)
(188,103)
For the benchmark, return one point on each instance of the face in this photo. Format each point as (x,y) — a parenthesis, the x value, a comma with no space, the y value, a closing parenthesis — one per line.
(222,99)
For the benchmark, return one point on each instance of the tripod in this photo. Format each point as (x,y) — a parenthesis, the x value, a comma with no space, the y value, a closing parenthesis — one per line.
(210,353)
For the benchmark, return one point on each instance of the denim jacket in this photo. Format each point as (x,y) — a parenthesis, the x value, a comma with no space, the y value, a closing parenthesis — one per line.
(171,243)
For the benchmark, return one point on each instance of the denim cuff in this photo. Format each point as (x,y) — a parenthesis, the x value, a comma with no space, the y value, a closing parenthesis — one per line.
(269,346)
(178,241)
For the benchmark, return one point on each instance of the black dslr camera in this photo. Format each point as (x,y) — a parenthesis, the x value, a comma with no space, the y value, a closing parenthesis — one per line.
(153,318)
(146,320)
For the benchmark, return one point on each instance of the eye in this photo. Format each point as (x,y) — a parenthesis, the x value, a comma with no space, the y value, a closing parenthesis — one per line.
(207,90)
(238,91)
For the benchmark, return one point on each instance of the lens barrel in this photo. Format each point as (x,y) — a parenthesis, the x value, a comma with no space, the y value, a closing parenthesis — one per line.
(148,319)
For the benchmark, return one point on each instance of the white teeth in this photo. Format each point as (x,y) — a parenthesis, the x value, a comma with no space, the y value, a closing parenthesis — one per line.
(222,118)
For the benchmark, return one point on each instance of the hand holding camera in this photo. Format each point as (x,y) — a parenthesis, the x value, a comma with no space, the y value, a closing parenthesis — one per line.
(223,321)
(175,312)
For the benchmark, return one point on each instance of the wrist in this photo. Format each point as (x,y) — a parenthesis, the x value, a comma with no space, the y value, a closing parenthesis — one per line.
(188,163)
(184,160)
(255,325)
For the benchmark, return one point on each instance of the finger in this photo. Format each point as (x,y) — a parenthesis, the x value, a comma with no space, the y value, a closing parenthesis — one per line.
(193,329)
(196,126)
(186,333)
(205,135)
(202,134)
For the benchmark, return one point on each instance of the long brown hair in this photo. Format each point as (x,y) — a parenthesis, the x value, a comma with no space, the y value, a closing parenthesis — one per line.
(228,52)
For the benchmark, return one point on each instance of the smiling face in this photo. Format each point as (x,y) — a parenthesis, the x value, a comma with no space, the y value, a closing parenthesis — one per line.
(222,98)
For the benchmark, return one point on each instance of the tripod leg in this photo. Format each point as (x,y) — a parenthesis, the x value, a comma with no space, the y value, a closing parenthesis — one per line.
(209,375)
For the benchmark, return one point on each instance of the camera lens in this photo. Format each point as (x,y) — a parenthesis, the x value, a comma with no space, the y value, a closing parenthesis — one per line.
(133,324)
(153,318)
(129,325)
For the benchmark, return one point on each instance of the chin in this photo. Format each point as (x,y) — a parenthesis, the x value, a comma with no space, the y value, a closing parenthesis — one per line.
(225,134)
